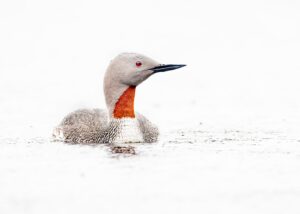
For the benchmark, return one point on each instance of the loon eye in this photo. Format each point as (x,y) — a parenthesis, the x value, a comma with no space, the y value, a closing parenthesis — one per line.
(138,64)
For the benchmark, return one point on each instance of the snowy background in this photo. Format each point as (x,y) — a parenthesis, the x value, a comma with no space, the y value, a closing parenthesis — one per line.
(230,120)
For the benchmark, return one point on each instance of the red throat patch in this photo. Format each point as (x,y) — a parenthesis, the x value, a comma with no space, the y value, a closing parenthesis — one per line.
(125,105)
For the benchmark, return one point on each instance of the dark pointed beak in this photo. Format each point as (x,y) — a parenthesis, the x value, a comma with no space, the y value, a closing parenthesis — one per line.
(163,68)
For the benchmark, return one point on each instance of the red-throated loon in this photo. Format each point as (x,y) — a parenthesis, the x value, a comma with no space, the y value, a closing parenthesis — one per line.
(120,123)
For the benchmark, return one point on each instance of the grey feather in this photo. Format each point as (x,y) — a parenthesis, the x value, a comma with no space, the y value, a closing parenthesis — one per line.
(92,126)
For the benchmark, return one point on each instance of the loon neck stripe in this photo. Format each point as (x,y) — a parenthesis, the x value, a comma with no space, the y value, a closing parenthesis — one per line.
(125,105)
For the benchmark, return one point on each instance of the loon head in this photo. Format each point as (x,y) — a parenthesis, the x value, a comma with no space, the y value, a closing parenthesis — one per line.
(124,73)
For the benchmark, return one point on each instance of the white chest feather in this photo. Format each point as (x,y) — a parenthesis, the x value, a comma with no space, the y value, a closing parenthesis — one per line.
(128,131)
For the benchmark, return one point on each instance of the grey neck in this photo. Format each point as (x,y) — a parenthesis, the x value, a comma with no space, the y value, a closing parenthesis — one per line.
(112,92)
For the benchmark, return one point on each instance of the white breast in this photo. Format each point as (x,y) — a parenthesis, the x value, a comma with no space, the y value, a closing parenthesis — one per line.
(129,131)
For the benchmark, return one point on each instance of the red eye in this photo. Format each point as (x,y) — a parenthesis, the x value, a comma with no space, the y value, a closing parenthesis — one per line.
(138,64)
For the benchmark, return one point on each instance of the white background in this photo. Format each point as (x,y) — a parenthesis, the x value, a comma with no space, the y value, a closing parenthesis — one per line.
(242,74)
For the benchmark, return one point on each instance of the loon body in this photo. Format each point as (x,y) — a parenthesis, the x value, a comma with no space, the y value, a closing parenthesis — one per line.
(119,123)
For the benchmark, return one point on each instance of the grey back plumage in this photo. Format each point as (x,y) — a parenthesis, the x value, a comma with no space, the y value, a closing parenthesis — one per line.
(93,126)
